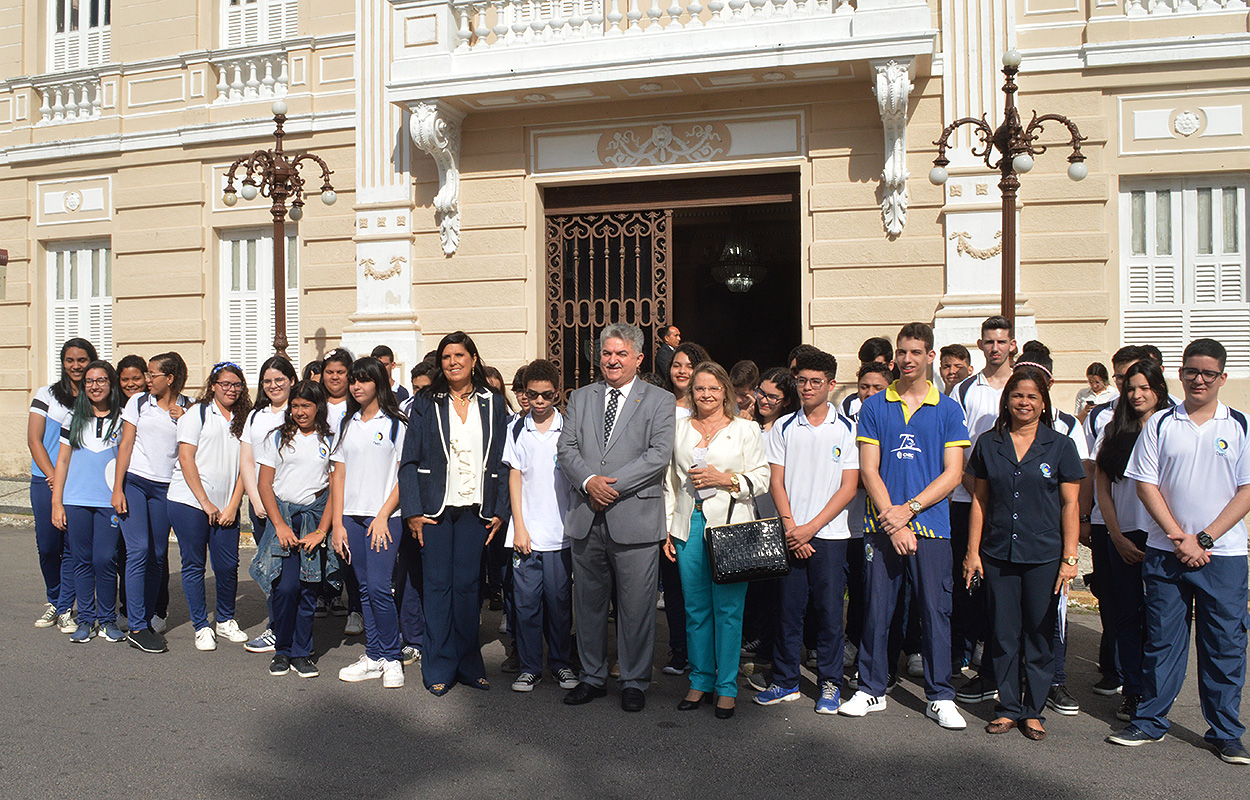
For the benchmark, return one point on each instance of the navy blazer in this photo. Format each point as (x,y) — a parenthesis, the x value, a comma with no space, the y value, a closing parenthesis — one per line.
(423,463)
(1022,521)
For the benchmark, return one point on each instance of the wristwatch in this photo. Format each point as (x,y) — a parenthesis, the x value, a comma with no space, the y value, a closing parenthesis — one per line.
(1205,541)
(734,486)
(1084,518)
(915,506)
(1071,561)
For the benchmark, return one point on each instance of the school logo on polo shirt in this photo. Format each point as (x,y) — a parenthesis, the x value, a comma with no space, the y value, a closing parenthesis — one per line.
(837,453)
(322,450)
(1221,447)
(378,437)
(1045,470)
(906,447)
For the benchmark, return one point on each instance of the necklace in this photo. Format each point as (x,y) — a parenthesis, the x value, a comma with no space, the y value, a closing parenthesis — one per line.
(702,427)
(462,398)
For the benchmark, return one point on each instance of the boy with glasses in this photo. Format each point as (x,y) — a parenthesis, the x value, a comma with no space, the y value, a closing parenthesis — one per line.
(911,440)
(1192,467)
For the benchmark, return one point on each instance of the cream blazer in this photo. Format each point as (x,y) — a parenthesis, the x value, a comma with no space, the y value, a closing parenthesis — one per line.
(737,448)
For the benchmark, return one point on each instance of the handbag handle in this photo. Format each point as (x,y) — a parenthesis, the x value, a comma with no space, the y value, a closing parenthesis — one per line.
(732,500)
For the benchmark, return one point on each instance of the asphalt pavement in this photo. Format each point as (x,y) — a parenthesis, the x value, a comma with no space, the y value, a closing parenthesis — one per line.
(102,720)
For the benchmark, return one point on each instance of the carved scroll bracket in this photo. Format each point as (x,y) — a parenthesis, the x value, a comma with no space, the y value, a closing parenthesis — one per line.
(892,85)
(435,129)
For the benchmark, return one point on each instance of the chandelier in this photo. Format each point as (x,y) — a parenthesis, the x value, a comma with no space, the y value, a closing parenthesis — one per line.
(738,267)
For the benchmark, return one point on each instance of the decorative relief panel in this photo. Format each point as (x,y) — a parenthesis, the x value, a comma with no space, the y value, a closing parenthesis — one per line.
(668,142)
(77,200)
(1184,122)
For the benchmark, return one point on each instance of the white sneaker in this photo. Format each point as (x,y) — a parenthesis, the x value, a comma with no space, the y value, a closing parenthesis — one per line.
(355,625)
(65,622)
(230,630)
(946,715)
(159,625)
(48,618)
(392,674)
(363,669)
(915,665)
(205,639)
(861,703)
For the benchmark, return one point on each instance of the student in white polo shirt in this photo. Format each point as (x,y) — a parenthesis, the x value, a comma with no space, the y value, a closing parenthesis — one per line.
(815,472)
(145,463)
(334,372)
(1192,467)
(978,396)
(365,528)
(81,491)
(204,496)
(542,561)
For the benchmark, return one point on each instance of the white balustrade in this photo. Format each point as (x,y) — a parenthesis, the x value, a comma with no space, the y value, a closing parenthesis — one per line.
(1159,8)
(248,78)
(506,23)
(70,101)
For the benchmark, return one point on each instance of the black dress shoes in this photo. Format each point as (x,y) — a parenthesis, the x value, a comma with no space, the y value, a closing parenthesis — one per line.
(632,700)
(583,693)
(724,713)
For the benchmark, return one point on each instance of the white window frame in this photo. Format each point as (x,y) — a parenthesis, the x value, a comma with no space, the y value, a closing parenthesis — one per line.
(1171,298)
(80,298)
(249,22)
(246,312)
(73,42)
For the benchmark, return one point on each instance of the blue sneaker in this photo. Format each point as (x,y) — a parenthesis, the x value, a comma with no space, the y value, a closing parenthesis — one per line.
(1231,751)
(83,632)
(776,694)
(112,632)
(830,698)
(1132,736)
(265,643)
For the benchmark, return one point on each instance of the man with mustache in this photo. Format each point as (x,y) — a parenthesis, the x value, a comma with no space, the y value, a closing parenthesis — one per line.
(615,445)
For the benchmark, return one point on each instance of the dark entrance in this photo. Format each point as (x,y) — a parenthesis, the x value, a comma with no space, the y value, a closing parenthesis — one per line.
(719,257)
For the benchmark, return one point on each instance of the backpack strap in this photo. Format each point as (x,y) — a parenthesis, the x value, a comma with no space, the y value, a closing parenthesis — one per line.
(517,427)
(394,429)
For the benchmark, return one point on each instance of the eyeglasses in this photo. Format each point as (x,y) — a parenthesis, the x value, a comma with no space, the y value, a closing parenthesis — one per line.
(96,381)
(151,375)
(815,383)
(1192,374)
(548,396)
(765,397)
(273,383)
(708,390)
(230,386)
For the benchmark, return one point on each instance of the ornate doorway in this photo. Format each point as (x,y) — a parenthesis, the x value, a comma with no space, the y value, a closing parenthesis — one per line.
(603,268)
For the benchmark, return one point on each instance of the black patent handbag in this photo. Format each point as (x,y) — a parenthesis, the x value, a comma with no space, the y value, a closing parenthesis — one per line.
(747,551)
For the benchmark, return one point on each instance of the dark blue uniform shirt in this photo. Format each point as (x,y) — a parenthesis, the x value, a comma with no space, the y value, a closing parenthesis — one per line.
(1022,521)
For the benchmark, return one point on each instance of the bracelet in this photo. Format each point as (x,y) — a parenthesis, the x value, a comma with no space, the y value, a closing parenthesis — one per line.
(733,483)
(318,530)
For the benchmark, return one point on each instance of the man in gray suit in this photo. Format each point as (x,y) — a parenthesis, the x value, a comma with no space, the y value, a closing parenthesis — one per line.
(616,443)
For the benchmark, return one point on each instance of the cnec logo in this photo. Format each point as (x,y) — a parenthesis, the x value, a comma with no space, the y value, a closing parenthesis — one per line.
(379,438)
(1221,447)
(1046,472)
(837,453)
(323,450)
(907,448)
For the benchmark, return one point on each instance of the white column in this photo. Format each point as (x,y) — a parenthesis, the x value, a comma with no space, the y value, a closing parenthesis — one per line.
(385,312)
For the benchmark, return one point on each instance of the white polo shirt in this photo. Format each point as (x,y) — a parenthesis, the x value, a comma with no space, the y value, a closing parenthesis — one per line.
(155,453)
(1197,469)
(45,404)
(1095,423)
(334,415)
(369,452)
(301,470)
(1129,511)
(815,458)
(1071,427)
(980,401)
(93,466)
(544,489)
(216,456)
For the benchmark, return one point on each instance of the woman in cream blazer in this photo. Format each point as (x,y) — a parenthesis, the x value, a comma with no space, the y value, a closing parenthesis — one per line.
(716,455)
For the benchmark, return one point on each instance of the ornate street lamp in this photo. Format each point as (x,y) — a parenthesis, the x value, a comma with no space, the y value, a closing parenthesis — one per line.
(1010,150)
(275,174)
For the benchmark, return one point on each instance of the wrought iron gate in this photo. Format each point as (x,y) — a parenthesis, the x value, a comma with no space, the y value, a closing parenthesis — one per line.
(604,268)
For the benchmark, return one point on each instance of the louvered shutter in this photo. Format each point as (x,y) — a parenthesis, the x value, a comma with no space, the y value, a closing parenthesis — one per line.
(247,289)
(80,299)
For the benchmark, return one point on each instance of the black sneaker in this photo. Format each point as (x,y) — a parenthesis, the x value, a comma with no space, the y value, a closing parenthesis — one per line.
(1231,751)
(1062,701)
(677,665)
(147,640)
(280,665)
(977,690)
(1128,709)
(305,667)
(1108,686)
(751,648)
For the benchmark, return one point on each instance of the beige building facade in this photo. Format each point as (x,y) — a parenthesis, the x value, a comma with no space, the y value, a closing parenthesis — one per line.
(753,171)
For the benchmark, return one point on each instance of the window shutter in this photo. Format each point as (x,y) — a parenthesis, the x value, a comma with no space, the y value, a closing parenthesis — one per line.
(1231,328)
(80,299)
(292,299)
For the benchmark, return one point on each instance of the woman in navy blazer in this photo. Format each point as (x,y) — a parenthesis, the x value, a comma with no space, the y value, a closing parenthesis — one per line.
(1022,535)
(453,494)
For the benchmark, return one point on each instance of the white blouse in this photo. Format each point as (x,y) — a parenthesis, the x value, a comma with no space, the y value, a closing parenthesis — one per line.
(465,457)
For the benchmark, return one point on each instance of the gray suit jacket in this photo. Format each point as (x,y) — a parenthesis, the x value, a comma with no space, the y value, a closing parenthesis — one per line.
(637,456)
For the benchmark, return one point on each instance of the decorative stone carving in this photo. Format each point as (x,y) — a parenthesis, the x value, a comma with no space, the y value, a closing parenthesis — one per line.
(435,129)
(1187,123)
(371,270)
(697,146)
(892,86)
(963,245)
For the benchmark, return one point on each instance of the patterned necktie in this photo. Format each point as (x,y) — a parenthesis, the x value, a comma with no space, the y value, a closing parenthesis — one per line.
(609,416)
